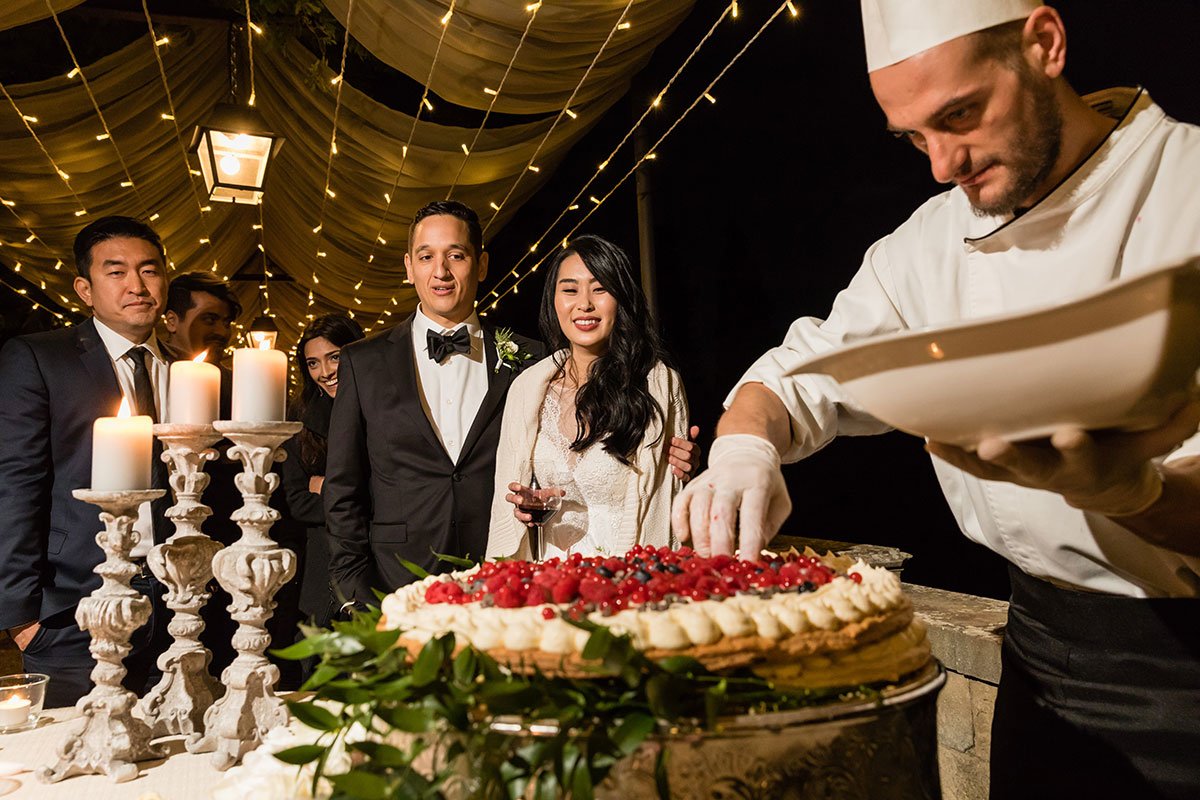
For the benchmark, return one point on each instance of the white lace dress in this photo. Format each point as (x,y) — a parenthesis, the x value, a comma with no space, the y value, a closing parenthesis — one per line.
(594,482)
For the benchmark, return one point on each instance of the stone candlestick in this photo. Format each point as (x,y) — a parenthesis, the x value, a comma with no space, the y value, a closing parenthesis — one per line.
(252,570)
(109,739)
(183,564)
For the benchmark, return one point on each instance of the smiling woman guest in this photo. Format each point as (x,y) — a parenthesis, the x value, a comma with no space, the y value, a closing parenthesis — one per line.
(303,472)
(592,421)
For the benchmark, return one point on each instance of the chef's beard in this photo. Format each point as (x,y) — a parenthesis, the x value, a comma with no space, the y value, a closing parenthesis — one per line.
(1034,151)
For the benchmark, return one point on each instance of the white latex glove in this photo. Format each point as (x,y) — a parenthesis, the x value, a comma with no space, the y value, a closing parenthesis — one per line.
(738,503)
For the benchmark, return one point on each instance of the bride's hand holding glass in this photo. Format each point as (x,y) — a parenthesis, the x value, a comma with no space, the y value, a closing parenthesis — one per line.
(534,507)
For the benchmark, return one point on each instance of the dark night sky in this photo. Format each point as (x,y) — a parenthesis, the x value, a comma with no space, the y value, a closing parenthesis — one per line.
(765,203)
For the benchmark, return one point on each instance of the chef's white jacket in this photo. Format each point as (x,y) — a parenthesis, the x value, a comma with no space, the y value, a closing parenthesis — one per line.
(1132,206)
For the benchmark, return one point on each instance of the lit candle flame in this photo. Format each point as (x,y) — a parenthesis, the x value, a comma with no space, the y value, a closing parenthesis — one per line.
(124,411)
(201,357)
(264,344)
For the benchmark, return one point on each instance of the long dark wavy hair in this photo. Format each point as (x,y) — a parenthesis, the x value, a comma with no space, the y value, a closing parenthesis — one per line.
(614,406)
(340,330)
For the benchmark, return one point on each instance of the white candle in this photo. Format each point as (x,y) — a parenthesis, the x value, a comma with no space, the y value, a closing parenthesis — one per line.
(121,452)
(259,385)
(194,392)
(13,711)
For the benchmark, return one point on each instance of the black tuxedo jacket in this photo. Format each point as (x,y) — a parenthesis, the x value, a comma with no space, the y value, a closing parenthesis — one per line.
(390,487)
(56,384)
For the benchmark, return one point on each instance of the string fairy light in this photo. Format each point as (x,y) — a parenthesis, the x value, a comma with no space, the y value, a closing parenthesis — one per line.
(390,194)
(100,114)
(44,304)
(262,246)
(62,175)
(251,29)
(495,95)
(573,204)
(652,149)
(339,81)
(11,205)
(162,72)
(532,159)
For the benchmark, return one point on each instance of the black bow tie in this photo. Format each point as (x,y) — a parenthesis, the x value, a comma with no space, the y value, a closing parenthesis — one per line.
(443,344)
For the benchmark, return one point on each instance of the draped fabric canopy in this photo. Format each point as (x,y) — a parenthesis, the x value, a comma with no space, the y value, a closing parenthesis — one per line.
(362,235)
(20,12)
(483,35)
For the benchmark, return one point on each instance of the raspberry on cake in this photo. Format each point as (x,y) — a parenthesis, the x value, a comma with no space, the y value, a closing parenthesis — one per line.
(802,620)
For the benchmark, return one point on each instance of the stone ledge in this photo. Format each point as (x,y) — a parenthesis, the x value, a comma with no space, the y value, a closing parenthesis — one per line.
(965,631)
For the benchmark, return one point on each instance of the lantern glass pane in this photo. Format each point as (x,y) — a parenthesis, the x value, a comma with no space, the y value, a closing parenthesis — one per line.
(204,153)
(238,164)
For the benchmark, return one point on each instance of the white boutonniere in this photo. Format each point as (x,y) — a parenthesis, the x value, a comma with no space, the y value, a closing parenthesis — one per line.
(510,353)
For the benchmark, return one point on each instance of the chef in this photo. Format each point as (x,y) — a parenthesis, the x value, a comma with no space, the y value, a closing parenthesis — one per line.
(1052,195)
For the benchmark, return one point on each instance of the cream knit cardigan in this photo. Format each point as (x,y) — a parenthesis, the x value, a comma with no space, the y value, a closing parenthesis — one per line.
(650,485)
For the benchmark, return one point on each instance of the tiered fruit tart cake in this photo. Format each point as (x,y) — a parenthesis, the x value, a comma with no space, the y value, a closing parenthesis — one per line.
(800,620)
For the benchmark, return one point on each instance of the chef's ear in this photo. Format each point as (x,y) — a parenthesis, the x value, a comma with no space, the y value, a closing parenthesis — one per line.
(1044,42)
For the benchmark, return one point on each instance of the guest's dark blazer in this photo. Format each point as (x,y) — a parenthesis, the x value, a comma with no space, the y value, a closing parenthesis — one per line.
(390,487)
(56,384)
(317,599)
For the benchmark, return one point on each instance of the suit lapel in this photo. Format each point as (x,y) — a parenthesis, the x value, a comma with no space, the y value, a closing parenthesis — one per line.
(406,380)
(498,383)
(99,365)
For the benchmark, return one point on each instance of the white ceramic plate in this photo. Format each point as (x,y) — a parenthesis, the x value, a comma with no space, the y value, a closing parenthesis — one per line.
(1123,357)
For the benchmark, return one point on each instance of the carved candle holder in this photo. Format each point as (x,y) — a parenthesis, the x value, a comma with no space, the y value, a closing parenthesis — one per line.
(252,570)
(110,739)
(183,564)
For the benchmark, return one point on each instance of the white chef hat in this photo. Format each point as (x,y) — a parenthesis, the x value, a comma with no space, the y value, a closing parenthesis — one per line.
(897,29)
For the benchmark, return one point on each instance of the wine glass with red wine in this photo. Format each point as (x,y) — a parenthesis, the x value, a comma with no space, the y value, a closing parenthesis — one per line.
(542,507)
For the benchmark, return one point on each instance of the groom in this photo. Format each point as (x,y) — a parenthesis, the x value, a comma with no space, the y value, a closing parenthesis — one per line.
(412,439)
(416,421)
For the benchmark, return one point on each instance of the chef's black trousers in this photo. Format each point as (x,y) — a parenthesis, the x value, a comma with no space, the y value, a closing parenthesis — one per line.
(1099,696)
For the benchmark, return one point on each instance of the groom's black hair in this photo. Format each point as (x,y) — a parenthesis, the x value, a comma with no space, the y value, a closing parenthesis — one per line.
(452,208)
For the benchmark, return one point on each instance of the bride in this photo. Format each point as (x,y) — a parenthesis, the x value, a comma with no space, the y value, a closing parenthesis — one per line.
(590,422)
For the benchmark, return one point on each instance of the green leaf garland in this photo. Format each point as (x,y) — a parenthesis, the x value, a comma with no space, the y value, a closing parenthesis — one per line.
(443,701)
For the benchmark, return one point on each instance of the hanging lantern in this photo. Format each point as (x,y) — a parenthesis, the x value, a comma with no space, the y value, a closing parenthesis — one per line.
(264,333)
(235,148)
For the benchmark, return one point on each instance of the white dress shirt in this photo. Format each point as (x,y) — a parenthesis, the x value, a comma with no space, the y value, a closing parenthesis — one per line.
(117,346)
(452,390)
(1131,207)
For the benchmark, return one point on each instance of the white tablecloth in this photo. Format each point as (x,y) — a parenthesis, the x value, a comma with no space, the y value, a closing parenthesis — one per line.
(181,776)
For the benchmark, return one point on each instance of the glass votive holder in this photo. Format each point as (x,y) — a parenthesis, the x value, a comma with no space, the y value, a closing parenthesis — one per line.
(21,698)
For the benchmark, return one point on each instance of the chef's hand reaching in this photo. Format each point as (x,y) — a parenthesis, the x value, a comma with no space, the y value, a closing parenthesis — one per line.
(1107,472)
(739,502)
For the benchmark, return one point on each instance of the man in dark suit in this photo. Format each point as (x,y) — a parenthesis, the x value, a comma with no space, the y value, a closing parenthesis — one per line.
(200,313)
(57,384)
(199,316)
(416,419)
